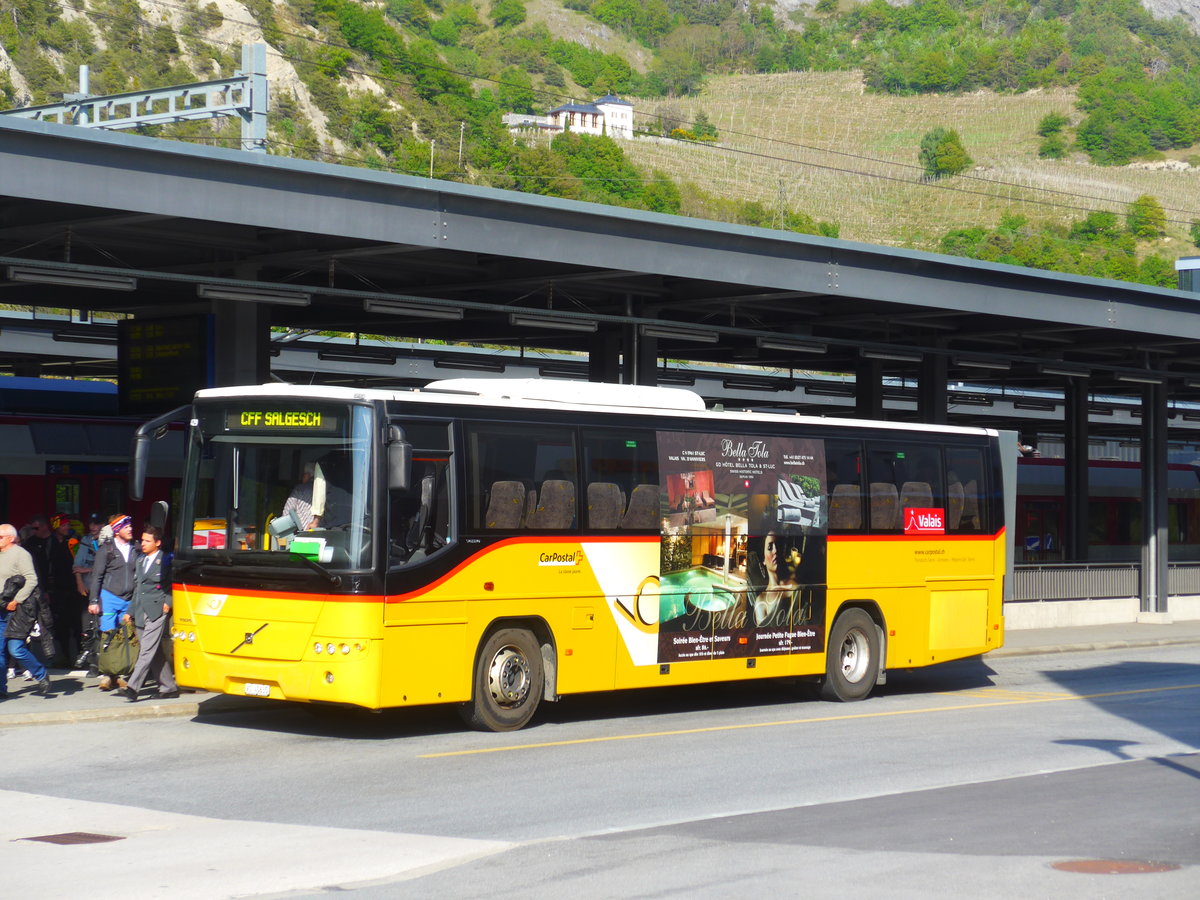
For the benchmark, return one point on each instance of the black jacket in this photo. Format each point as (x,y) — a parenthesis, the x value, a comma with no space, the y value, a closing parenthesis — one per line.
(112,573)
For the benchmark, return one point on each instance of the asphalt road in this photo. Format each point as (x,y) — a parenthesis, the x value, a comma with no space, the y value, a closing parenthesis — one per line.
(975,779)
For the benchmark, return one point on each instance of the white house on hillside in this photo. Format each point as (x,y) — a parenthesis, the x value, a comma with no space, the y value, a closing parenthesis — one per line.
(609,115)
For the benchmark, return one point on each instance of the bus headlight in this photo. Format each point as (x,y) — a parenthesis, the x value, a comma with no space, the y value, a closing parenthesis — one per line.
(329,648)
(318,647)
(345,648)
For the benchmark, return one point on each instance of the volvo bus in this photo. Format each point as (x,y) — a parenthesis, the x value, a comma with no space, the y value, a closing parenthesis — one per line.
(498,543)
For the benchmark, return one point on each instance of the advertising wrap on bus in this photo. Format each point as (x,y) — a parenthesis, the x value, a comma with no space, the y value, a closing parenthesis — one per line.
(762,499)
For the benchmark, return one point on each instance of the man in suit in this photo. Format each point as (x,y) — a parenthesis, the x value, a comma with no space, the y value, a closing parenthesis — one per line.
(150,610)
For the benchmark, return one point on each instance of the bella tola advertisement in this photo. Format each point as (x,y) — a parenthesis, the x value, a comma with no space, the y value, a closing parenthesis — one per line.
(744,525)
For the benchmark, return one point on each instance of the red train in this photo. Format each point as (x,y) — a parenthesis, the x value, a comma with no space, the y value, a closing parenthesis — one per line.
(1114,510)
(63,449)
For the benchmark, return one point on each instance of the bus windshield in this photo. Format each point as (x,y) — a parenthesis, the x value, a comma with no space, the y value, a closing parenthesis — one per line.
(276,476)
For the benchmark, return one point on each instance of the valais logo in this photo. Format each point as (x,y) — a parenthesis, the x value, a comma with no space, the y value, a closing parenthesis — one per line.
(924,521)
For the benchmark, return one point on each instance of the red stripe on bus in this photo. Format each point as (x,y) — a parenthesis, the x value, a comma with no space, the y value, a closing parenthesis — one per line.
(526,539)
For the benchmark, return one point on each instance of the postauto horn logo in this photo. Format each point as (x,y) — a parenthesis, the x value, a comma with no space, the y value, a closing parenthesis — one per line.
(560,558)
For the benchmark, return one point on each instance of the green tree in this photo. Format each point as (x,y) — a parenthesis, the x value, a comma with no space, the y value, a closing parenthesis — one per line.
(508,12)
(1145,218)
(1194,231)
(1052,123)
(942,154)
(703,129)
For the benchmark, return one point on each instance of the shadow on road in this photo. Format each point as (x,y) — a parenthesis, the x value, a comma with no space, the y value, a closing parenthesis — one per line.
(790,697)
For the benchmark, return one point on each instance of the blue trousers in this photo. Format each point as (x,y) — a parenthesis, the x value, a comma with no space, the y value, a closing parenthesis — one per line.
(114,610)
(16,651)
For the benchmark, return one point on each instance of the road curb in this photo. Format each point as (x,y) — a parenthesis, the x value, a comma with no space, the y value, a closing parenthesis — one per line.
(71,716)
(1046,649)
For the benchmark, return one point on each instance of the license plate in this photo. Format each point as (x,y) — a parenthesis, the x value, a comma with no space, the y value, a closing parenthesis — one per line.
(256,690)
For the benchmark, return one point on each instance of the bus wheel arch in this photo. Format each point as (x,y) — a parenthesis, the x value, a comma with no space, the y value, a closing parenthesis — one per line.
(513,672)
(855,652)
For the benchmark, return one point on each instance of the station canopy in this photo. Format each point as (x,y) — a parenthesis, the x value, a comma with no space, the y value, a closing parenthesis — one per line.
(101,222)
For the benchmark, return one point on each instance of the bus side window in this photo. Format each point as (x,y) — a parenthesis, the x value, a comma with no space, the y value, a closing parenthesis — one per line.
(966,501)
(903,475)
(420,516)
(620,468)
(843,474)
(539,458)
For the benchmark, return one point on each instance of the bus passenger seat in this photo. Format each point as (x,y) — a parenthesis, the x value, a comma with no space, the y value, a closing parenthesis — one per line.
(970,513)
(556,506)
(885,506)
(506,505)
(606,504)
(643,509)
(916,494)
(954,505)
(845,508)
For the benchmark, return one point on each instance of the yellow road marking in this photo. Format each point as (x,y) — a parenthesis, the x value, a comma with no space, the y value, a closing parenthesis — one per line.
(1004,692)
(1033,698)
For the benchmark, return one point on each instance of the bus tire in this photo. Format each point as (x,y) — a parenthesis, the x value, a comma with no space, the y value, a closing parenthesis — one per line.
(508,682)
(851,658)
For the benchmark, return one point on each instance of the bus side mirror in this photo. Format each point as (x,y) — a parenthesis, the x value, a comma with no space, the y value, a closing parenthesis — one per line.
(399,458)
(140,452)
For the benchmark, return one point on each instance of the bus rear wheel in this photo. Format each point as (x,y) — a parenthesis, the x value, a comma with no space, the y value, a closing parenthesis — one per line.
(852,657)
(508,682)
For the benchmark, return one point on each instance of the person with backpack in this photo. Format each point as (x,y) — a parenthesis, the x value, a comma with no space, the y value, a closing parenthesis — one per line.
(19,590)
(112,587)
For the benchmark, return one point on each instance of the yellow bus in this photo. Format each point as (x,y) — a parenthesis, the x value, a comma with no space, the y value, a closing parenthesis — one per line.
(497,543)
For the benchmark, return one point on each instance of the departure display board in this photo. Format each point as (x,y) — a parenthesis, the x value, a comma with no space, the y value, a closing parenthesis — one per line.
(162,362)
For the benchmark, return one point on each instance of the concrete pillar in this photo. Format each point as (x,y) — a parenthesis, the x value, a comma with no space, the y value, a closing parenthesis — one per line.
(1154,504)
(241,339)
(1075,474)
(604,356)
(931,390)
(868,389)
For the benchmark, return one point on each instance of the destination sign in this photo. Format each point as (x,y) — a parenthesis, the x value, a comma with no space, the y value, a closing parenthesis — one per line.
(295,420)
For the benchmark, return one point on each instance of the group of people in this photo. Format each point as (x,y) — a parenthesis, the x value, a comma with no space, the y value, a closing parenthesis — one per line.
(49,577)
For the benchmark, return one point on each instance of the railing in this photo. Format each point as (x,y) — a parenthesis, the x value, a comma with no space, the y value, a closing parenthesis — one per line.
(1095,581)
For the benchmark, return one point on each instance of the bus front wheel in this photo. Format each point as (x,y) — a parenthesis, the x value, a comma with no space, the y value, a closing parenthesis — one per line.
(508,682)
(852,657)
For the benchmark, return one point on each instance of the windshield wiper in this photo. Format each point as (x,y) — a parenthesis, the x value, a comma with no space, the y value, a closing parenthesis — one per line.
(334,580)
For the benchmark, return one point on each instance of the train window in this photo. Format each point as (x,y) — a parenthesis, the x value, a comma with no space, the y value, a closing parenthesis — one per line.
(3,499)
(68,497)
(844,476)
(902,476)
(109,440)
(1177,521)
(521,476)
(49,438)
(112,496)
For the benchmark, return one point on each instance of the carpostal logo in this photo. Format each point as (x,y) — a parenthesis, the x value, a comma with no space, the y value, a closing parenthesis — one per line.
(560,558)
(924,521)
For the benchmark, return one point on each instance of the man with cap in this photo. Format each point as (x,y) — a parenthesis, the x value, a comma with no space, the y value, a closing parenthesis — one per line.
(112,583)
